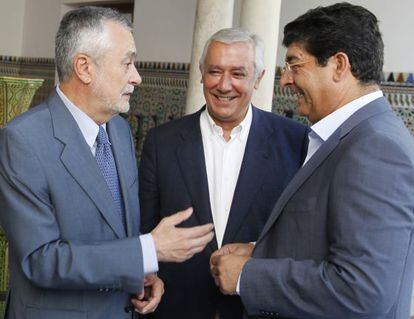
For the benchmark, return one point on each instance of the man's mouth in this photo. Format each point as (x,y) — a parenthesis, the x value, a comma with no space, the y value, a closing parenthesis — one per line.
(224,98)
(298,95)
(127,93)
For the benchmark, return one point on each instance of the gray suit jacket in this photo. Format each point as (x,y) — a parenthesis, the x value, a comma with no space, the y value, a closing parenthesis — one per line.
(70,255)
(339,241)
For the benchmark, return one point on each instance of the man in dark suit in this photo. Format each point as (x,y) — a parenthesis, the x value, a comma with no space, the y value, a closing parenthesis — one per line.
(69,187)
(339,241)
(230,161)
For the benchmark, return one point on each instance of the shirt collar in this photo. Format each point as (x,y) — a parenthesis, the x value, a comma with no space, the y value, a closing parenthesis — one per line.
(87,126)
(241,131)
(326,126)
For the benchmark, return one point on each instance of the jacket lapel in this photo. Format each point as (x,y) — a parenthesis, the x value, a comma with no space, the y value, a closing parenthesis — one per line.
(190,156)
(371,109)
(80,163)
(253,168)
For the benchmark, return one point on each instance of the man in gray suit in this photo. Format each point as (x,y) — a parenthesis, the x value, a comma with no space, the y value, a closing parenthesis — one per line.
(339,241)
(69,188)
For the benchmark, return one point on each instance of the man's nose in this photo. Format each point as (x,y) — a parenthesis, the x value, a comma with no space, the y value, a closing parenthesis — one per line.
(135,78)
(286,79)
(225,83)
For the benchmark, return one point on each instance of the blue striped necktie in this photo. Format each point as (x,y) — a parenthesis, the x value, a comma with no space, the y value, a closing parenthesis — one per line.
(106,163)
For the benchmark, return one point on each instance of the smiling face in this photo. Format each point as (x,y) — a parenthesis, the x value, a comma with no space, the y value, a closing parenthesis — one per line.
(310,83)
(228,77)
(115,74)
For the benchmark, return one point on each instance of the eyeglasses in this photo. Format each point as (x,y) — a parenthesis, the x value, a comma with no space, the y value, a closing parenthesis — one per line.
(288,66)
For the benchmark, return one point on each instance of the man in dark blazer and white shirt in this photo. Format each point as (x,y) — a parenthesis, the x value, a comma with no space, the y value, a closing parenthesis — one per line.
(229,161)
(339,241)
(69,188)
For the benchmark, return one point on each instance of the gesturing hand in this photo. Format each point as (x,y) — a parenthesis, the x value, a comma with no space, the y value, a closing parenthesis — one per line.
(176,244)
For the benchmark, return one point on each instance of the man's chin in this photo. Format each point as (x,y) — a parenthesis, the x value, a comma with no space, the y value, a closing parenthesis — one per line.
(121,108)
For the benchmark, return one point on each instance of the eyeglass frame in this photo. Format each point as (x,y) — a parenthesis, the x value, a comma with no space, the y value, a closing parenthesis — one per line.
(288,66)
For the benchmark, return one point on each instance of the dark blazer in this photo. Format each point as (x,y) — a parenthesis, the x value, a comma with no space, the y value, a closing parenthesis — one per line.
(70,254)
(173,177)
(339,241)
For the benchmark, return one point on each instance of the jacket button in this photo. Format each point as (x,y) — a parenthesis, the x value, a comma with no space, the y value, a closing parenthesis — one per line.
(128,309)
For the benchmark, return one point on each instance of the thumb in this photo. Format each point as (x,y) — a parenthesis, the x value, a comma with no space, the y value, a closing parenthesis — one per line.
(181,216)
(141,295)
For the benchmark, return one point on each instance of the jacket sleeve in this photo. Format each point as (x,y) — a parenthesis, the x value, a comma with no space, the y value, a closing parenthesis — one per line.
(28,217)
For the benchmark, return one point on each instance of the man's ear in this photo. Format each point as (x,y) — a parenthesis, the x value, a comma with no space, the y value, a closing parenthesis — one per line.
(202,72)
(342,66)
(82,68)
(259,78)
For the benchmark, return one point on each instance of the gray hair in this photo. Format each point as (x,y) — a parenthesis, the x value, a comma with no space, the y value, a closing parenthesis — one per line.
(83,31)
(232,35)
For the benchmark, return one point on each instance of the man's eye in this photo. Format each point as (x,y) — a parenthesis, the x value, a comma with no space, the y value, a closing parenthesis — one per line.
(295,68)
(214,72)
(239,74)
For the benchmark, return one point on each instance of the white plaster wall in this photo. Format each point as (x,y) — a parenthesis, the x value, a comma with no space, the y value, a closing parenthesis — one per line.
(164,29)
(41,23)
(396,25)
(11,26)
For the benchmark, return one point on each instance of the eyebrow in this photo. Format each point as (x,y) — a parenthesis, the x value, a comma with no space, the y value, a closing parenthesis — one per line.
(236,68)
(130,55)
(291,58)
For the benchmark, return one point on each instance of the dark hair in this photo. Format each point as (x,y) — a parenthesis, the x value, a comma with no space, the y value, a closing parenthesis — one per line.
(342,27)
(83,31)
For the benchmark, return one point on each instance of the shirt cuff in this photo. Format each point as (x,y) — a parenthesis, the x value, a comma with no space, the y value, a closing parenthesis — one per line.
(149,254)
(238,284)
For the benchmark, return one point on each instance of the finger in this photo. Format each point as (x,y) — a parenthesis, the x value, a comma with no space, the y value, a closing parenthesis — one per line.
(196,231)
(141,295)
(150,306)
(139,305)
(200,240)
(156,294)
(195,246)
(179,217)
(217,252)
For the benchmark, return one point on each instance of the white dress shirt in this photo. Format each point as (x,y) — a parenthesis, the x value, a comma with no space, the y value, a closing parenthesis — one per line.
(323,129)
(90,131)
(223,161)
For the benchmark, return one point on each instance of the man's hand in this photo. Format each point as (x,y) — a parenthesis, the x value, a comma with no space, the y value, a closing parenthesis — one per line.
(226,270)
(179,244)
(148,299)
(241,249)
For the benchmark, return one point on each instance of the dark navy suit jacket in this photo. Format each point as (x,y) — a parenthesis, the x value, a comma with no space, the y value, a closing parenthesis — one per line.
(173,177)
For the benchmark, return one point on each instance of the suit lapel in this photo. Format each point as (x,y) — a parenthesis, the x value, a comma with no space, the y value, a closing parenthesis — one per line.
(80,163)
(253,168)
(371,109)
(190,156)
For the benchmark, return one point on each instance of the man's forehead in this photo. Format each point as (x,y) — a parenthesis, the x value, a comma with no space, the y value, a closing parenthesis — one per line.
(296,51)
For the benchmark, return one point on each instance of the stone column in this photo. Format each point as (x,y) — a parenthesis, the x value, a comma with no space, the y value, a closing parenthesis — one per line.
(211,16)
(262,18)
